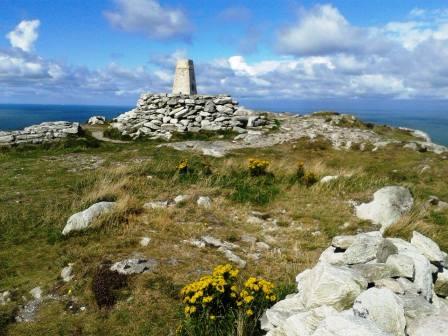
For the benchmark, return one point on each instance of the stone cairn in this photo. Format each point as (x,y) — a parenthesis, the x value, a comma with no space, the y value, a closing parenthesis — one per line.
(368,285)
(42,133)
(159,115)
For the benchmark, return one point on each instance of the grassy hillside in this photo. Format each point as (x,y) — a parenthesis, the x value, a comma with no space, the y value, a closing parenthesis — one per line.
(41,187)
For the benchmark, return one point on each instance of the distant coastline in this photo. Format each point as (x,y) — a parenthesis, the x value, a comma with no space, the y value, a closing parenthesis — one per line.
(18,116)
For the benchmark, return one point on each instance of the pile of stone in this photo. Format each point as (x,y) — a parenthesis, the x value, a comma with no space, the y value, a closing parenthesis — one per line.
(366,285)
(46,132)
(159,115)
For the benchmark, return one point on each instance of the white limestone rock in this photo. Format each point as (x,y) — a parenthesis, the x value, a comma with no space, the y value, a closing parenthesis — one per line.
(204,202)
(328,179)
(97,120)
(364,248)
(436,325)
(36,293)
(144,241)
(441,284)
(383,307)
(343,242)
(375,271)
(304,324)
(422,266)
(281,311)
(326,284)
(331,257)
(83,219)
(388,205)
(67,273)
(390,284)
(348,325)
(403,264)
(427,247)
(232,257)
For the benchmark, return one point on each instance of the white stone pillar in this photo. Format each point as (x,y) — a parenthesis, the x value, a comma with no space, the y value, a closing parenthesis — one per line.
(184,78)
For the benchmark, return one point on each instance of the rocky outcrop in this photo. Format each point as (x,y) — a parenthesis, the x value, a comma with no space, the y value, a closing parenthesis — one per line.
(159,115)
(404,296)
(388,205)
(43,133)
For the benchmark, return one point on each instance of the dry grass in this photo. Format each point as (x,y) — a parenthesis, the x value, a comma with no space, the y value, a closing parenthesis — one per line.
(32,251)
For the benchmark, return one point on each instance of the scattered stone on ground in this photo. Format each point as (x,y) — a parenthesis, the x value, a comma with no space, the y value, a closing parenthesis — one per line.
(157,205)
(400,297)
(327,179)
(204,202)
(144,241)
(134,266)
(5,297)
(83,219)
(387,207)
(67,273)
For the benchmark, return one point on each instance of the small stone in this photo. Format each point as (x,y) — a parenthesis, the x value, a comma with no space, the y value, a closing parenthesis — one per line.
(156,205)
(181,199)
(144,241)
(261,246)
(364,248)
(343,242)
(204,202)
(375,271)
(83,219)
(232,257)
(385,249)
(391,284)
(328,179)
(36,293)
(66,273)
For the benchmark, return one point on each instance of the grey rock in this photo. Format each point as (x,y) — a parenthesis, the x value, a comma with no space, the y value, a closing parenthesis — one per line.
(134,266)
(429,326)
(375,271)
(385,249)
(364,248)
(343,242)
(344,324)
(204,202)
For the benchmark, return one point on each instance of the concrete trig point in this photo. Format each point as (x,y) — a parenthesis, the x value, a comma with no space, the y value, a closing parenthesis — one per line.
(184,79)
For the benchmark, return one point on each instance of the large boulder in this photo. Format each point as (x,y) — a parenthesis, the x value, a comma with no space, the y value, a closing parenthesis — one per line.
(82,220)
(326,284)
(384,308)
(388,205)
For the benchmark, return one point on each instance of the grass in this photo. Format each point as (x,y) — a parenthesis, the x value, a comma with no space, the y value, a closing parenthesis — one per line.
(42,186)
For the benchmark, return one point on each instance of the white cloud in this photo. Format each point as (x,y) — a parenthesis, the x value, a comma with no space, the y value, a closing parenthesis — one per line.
(24,35)
(150,18)
(321,30)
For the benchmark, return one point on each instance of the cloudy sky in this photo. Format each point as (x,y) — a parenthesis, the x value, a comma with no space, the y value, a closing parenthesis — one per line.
(266,53)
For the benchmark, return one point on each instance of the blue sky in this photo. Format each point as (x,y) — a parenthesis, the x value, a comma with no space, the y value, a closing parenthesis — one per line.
(299,52)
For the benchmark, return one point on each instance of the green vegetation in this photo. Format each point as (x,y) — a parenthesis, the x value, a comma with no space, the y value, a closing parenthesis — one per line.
(42,186)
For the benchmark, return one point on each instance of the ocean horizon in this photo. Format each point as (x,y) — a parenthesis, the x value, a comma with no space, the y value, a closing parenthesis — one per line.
(18,116)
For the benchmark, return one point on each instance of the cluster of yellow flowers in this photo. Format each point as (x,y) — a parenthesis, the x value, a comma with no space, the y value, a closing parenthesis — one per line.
(210,290)
(258,167)
(219,293)
(182,166)
(256,290)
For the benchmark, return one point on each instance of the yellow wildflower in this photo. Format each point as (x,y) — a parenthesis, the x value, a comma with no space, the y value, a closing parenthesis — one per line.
(249,312)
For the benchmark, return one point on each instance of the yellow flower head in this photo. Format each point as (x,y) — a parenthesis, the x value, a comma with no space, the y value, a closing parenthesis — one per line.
(249,312)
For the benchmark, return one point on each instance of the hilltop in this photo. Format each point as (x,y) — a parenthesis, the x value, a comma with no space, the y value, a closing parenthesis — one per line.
(180,205)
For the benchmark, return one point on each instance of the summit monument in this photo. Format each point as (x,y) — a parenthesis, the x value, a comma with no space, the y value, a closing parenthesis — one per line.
(184,78)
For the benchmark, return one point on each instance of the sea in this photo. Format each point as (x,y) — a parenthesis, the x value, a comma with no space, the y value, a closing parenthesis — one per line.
(18,116)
